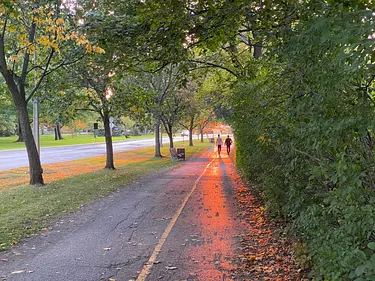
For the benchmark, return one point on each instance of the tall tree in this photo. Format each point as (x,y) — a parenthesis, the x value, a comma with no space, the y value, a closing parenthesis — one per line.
(33,37)
(203,121)
(160,86)
(172,111)
(94,77)
(191,108)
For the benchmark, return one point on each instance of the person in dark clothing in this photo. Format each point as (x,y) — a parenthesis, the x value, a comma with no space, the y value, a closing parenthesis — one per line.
(228,143)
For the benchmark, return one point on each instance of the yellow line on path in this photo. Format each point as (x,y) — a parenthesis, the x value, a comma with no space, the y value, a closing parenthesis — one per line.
(147,268)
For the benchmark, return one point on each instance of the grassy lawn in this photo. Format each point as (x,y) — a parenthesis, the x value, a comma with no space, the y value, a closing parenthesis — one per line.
(7,143)
(24,210)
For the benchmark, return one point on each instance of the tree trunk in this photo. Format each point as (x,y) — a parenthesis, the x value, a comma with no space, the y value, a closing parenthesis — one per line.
(20,135)
(258,50)
(108,143)
(170,135)
(58,135)
(161,137)
(19,99)
(157,140)
(35,167)
(59,132)
(191,125)
(201,136)
(169,129)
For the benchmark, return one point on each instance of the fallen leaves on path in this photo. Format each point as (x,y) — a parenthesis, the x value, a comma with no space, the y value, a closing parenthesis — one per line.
(263,254)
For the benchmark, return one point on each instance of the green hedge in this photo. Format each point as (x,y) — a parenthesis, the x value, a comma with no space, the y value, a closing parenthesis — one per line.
(304,131)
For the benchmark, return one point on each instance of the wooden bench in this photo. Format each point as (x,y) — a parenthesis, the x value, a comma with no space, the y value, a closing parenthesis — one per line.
(177,154)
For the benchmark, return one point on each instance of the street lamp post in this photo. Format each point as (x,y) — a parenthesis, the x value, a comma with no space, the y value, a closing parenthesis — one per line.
(36,115)
(36,123)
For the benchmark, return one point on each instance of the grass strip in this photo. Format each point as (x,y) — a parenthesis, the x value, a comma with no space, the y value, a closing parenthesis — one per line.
(8,143)
(25,210)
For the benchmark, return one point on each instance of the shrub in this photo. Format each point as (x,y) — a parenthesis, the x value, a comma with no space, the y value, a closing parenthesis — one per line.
(304,129)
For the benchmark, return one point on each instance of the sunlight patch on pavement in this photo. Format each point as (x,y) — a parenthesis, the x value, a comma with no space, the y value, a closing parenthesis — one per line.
(146,269)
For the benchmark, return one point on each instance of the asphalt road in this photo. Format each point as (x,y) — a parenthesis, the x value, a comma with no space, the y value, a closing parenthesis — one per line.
(10,159)
(177,224)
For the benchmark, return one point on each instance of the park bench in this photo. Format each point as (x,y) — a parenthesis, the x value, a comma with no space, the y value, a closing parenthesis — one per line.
(177,154)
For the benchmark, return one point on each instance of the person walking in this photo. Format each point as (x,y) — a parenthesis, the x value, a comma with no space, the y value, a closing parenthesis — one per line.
(228,143)
(219,143)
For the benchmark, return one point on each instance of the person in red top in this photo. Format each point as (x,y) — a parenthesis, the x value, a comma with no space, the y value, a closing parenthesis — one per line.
(228,143)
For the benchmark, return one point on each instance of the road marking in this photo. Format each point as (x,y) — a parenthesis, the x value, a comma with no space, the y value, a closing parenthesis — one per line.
(147,268)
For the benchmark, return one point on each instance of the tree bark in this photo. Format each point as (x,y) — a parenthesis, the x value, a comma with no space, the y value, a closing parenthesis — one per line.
(157,140)
(35,167)
(191,125)
(170,135)
(201,136)
(20,135)
(258,50)
(161,137)
(169,129)
(108,143)
(59,132)
(58,135)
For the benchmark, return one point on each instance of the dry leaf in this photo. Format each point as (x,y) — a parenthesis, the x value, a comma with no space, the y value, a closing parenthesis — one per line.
(18,271)
(171,267)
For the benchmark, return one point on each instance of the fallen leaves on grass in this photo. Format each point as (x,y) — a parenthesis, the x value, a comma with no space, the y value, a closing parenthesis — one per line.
(53,172)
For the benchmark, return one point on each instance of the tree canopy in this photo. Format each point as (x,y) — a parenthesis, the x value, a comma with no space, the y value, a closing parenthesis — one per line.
(295,79)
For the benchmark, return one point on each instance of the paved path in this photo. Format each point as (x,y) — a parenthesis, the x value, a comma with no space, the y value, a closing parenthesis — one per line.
(178,224)
(10,159)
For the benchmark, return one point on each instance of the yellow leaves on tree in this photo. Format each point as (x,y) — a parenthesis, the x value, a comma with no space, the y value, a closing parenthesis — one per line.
(60,21)
(92,95)
(2,10)
(12,29)
(78,124)
(52,32)
(14,58)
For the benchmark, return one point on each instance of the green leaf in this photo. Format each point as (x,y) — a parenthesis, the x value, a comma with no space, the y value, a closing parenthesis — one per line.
(370,277)
(352,274)
(359,270)
(371,245)
(373,259)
